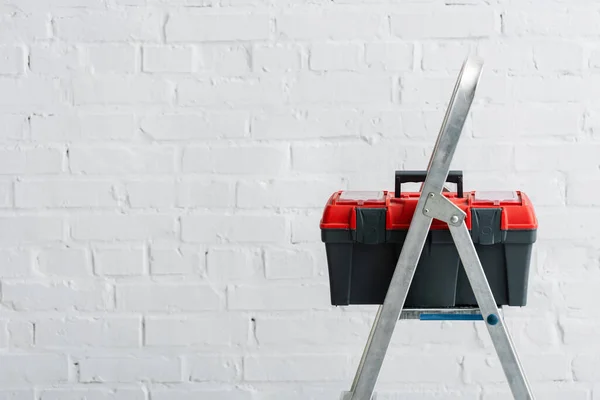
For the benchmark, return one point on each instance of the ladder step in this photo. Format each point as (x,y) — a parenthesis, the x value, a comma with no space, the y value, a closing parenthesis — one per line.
(442,314)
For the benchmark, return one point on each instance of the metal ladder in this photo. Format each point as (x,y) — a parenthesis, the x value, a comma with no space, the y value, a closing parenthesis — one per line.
(432,204)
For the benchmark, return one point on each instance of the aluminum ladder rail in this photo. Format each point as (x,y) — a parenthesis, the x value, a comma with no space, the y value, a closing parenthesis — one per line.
(432,204)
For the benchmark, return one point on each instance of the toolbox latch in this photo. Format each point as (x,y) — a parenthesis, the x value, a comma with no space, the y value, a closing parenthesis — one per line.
(370,225)
(485,225)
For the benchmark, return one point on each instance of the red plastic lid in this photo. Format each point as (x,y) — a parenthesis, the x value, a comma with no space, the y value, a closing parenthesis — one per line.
(340,211)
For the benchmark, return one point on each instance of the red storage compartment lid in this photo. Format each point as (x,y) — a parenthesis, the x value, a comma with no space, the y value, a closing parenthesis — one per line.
(340,211)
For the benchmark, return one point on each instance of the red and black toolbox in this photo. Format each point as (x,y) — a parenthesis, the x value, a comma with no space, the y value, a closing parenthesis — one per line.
(364,233)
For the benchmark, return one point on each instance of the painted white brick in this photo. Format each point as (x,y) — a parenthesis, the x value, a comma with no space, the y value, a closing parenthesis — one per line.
(226,330)
(119,261)
(342,88)
(64,194)
(21,334)
(123,332)
(566,157)
(122,227)
(467,22)
(20,27)
(285,193)
(259,159)
(389,56)
(6,195)
(335,57)
(123,90)
(296,368)
(130,369)
(203,193)
(305,227)
(66,262)
(421,368)
(212,125)
(12,60)
(182,260)
(31,161)
(138,25)
(427,393)
(578,189)
(28,229)
(190,27)
(277,58)
(15,263)
(234,228)
(193,394)
(278,297)
(226,264)
(218,368)
(151,194)
(112,58)
(539,367)
(121,160)
(314,123)
(443,56)
(551,21)
(558,56)
(33,369)
(289,264)
(3,335)
(550,391)
(59,296)
(511,55)
(55,59)
(586,368)
(552,89)
(238,93)
(16,394)
(93,394)
(167,59)
(330,25)
(12,127)
(225,60)
(91,127)
(169,297)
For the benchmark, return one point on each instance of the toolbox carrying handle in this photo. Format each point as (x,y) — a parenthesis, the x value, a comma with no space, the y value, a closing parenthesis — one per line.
(419,176)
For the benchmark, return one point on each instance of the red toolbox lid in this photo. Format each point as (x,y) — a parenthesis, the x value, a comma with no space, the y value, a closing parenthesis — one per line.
(340,211)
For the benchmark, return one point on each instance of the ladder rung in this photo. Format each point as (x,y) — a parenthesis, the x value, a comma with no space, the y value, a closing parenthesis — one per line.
(442,314)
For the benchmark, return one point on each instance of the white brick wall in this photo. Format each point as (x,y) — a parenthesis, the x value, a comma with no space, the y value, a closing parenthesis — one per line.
(164,164)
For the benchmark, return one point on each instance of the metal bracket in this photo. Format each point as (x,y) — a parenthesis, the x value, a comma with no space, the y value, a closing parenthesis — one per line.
(439,207)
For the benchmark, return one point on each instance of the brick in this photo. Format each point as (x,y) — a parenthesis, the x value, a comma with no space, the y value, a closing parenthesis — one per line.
(12,60)
(289,264)
(66,262)
(335,57)
(130,369)
(389,56)
(586,368)
(431,90)
(21,334)
(551,21)
(181,260)
(28,229)
(296,368)
(119,261)
(433,393)
(292,330)
(124,26)
(122,227)
(550,391)
(31,161)
(3,335)
(93,394)
(330,25)
(16,394)
(278,297)
(234,228)
(33,369)
(112,58)
(421,368)
(316,123)
(167,59)
(6,194)
(305,227)
(192,394)
(122,332)
(578,334)
(539,367)
(64,194)
(285,193)
(214,125)
(479,158)
(239,92)
(15,263)
(566,157)
(524,121)
(258,159)
(447,56)
(227,264)
(154,193)
(12,127)
(55,59)
(225,60)
(21,27)
(203,193)
(568,224)
(85,127)
(467,22)
(120,90)
(277,58)
(121,160)
(507,55)
(558,56)
(214,368)
(578,189)
(191,27)
(167,297)
(226,330)
(342,88)
(60,296)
